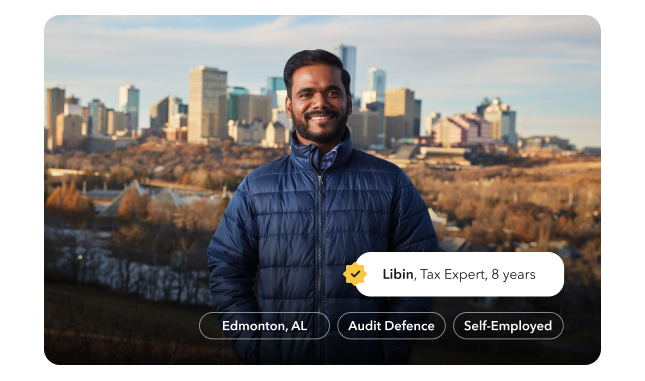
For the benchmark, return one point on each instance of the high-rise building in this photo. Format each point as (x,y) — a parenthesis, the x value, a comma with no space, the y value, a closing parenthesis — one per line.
(71,100)
(482,107)
(347,55)
(69,131)
(399,102)
(364,126)
(116,122)
(173,107)
(275,84)
(92,116)
(252,106)
(101,120)
(232,99)
(376,83)
(417,117)
(208,112)
(380,108)
(55,106)
(430,120)
(159,114)
(129,103)
(502,121)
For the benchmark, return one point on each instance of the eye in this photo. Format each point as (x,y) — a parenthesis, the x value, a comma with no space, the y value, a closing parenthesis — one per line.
(305,95)
(334,93)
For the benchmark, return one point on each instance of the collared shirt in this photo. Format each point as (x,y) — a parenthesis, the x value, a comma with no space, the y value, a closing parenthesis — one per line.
(329,157)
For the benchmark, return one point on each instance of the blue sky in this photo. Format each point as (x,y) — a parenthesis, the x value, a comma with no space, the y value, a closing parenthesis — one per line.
(548,63)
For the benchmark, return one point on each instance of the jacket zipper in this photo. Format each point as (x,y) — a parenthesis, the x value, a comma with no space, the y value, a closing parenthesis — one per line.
(320,265)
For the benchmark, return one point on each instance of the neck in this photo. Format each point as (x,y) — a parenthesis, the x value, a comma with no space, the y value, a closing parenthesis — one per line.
(323,148)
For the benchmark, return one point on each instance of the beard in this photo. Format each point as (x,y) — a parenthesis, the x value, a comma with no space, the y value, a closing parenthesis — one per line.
(323,138)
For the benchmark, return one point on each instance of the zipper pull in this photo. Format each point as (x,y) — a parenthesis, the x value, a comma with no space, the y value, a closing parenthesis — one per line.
(320,186)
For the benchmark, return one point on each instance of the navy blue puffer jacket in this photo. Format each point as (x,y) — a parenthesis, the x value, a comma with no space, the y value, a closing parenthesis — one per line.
(302,227)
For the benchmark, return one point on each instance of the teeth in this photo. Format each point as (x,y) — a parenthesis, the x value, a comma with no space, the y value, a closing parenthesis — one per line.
(320,117)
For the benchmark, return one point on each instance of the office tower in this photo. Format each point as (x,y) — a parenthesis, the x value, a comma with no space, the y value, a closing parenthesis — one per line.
(55,106)
(399,114)
(101,120)
(173,107)
(482,107)
(183,109)
(69,131)
(281,96)
(502,121)
(347,55)
(380,108)
(369,96)
(275,84)
(364,126)
(430,120)
(116,122)
(207,115)
(92,116)
(417,118)
(71,100)
(129,103)
(252,106)
(159,114)
(72,106)
(232,99)
(376,83)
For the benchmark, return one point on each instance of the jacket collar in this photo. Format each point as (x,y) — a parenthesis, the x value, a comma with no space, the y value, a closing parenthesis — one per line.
(303,156)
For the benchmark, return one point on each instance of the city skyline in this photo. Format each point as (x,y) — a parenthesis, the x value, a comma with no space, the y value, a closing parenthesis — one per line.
(551,64)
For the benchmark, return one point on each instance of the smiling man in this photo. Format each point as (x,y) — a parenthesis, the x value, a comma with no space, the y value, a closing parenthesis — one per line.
(302,219)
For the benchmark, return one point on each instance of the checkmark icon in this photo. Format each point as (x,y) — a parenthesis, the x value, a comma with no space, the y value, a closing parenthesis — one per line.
(355,273)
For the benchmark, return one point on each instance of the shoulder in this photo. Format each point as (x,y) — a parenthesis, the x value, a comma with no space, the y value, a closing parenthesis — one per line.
(266,174)
(362,161)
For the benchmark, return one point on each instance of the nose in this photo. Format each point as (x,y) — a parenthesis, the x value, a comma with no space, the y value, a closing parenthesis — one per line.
(319,101)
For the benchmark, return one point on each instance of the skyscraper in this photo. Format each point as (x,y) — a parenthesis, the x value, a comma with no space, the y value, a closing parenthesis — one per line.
(129,103)
(93,116)
(376,83)
(502,122)
(55,106)
(275,84)
(253,106)
(417,118)
(347,55)
(232,99)
(207,115)
(399,114)
(159,114)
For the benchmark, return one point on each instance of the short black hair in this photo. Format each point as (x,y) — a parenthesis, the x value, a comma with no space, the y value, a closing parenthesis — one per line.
(313,57)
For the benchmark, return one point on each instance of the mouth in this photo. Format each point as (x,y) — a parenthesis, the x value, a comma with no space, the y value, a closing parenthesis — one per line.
(324,117)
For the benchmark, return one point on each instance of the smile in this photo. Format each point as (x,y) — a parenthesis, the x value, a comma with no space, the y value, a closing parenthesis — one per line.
(320,117)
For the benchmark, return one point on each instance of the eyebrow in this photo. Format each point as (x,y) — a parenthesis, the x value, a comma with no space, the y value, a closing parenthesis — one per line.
(311,89)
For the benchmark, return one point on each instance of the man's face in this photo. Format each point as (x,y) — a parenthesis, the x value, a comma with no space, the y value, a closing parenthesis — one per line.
(318,105)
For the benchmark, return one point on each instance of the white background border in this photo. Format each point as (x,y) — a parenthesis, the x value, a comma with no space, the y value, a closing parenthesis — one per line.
(22,281)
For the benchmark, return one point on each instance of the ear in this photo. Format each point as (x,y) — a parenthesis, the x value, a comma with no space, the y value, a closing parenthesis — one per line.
(349,104)
(287,107)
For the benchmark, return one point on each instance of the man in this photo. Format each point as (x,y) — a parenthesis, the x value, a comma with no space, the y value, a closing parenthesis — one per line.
(303,218)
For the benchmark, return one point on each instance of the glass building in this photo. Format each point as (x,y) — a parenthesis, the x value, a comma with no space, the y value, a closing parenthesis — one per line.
(347,55)
(233,101)
(129,103)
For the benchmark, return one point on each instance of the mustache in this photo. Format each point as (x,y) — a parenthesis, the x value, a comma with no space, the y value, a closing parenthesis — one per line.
(320,113)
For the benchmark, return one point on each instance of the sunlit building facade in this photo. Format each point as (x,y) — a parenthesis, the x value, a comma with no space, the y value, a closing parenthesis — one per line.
(208,112)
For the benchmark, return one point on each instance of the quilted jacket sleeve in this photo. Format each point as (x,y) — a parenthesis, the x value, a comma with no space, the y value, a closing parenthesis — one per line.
(233,262)
(410,230)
